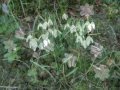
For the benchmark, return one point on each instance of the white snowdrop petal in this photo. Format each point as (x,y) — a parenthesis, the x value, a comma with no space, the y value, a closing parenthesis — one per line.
(39,25)
(45,25)
(41,46)
(66,26)
(65,16)
(93,25)
(28,38)
(50,22)
(33,44)
(89,28)
(72,29)
(46,42)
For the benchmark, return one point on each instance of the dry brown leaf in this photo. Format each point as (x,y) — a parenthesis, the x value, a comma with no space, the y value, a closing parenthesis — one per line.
(96,50)
(86,10)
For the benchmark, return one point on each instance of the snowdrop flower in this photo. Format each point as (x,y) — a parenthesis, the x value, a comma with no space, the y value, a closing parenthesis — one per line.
(45,36)
(78,39)
(91,27)
(72,29)
(66,26)
(46,42)
(28,38)
(45,25)
(33,44)
(41,46)
(65,16)
(39,25)
(50,22)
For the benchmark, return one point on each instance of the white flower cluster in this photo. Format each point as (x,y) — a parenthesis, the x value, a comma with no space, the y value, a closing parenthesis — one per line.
(79,31)
(43,42)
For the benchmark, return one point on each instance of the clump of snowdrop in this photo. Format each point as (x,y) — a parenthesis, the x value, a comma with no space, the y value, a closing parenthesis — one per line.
(48,30)
(48,27)
(43,43)
(64,16)
(79,30)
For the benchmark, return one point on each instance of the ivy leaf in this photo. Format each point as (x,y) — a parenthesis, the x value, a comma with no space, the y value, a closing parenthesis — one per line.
(11,56)
(9,45)
(101,72)
(117,55)
(32,72)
